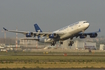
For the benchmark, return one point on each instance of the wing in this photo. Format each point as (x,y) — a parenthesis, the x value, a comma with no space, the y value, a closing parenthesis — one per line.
(34,33)
(91,34)
(14,31)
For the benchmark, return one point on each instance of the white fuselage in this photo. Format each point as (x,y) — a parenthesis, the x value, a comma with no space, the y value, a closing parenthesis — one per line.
(69,31)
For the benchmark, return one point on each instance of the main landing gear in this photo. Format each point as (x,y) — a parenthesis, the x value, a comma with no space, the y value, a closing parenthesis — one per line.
(61,42)
(71,43)
(53,43)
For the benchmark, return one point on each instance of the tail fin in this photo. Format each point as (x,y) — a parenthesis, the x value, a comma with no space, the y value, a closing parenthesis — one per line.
(37,28)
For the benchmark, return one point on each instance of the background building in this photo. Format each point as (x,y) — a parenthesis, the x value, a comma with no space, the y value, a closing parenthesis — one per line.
(77,45)
(102,47)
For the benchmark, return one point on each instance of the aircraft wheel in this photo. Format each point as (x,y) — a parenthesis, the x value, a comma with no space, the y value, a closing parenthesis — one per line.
(53,43)
(61,42)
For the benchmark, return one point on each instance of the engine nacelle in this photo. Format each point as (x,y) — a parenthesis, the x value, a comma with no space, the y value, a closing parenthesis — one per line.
(30,34)
(93,35)
(83,36)
(53,36)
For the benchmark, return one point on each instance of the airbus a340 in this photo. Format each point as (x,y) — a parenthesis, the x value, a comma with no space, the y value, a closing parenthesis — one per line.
(69,32)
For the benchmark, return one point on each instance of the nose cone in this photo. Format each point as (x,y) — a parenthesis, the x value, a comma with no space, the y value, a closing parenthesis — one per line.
(87,24)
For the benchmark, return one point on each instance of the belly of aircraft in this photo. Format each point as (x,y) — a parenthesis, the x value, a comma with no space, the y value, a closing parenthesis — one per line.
(70,34)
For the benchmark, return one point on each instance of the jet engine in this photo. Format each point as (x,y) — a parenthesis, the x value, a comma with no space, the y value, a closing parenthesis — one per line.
(30,34)
(93,35)
(53,35)
(83,36)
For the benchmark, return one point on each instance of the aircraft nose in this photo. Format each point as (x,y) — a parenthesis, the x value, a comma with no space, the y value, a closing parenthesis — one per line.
(87,24)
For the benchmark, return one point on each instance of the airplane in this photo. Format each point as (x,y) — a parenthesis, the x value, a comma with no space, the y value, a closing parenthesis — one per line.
(69,32)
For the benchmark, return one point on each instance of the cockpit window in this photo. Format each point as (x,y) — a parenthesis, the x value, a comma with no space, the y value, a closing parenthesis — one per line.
(85,22)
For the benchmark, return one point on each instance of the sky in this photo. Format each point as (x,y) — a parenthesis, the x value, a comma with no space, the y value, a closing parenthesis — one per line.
(50,15)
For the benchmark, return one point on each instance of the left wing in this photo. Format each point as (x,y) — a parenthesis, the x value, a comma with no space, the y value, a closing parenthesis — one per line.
(34,33)
(14,31)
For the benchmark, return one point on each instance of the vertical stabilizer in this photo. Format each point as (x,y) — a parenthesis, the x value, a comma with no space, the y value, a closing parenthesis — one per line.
(37,28)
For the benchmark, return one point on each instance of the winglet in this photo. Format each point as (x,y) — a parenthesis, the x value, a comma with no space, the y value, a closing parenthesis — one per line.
(5,29)
(99,30)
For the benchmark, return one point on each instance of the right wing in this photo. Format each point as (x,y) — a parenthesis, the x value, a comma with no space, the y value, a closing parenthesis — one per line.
(91,34)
